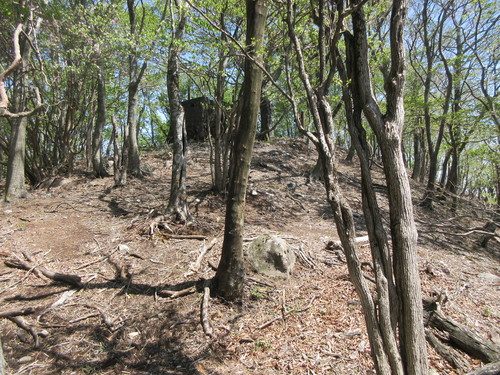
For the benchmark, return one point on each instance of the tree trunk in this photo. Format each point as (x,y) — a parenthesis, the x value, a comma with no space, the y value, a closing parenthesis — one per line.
(388,354)
(117,157)
(135,77)
(266,119)
(133,164)
(177,204)
(418,155)
(97,163)
(3,363)
(219,182)
(388,130)
(433,148)
(228,281)
(15,185)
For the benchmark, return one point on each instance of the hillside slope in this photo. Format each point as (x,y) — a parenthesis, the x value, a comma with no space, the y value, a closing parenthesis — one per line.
(127,319)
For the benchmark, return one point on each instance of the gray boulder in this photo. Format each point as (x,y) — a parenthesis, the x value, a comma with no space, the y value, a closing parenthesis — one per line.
(271,255)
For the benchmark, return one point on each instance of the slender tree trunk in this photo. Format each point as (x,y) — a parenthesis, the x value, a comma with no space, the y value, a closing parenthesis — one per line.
(219,182)
(135,76)
(3,363)
(386,355)
(433,147)
(117,157)
(388,130)
(229,278)
(133,163)
(97,162)
(15,184)
(266,119)
(418,154)
(177,204)
(123,170)
(15,187)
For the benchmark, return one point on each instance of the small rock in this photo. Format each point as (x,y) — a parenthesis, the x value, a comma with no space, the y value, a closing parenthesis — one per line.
(123,248)
(25,359)
(352,333)
(254,193)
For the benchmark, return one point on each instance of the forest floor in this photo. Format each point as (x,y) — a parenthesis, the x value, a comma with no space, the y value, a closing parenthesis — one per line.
(125,320)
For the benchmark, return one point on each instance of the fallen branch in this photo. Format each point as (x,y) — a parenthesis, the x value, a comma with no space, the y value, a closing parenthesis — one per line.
(100,259)
(110,323)
(305,258)
(490,369)
(296,201)
(447,352)
(177,293)
(186,237)
(459,335)
(283,315)
(205,320)
(73,280)
(193,268)
(21,323)
(19,312)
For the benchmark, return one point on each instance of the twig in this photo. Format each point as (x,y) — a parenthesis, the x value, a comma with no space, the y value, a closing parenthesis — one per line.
(283,316)
(196,266)
(296,201)
(93,315)
(305,258)
(260,282)
(98,260)
(186,237)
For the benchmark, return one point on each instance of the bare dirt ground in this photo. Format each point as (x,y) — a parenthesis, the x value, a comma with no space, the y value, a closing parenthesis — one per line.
(124,319)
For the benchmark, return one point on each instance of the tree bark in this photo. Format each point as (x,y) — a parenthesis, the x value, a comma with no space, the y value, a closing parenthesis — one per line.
(220,178)
(3,363)
(15,183)
(266,119)
(97,163)
(177,204)
(135,76)
(388,130)
(489,369)
(433,147)
(228,281)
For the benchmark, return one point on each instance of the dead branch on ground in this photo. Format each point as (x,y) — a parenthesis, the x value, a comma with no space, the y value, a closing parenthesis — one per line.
(21,323)
(284,314)
(99,260)
(204,318)
(177,293)
(73,280)
(489,369)
(193,268)
(451,355)
(459,335)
